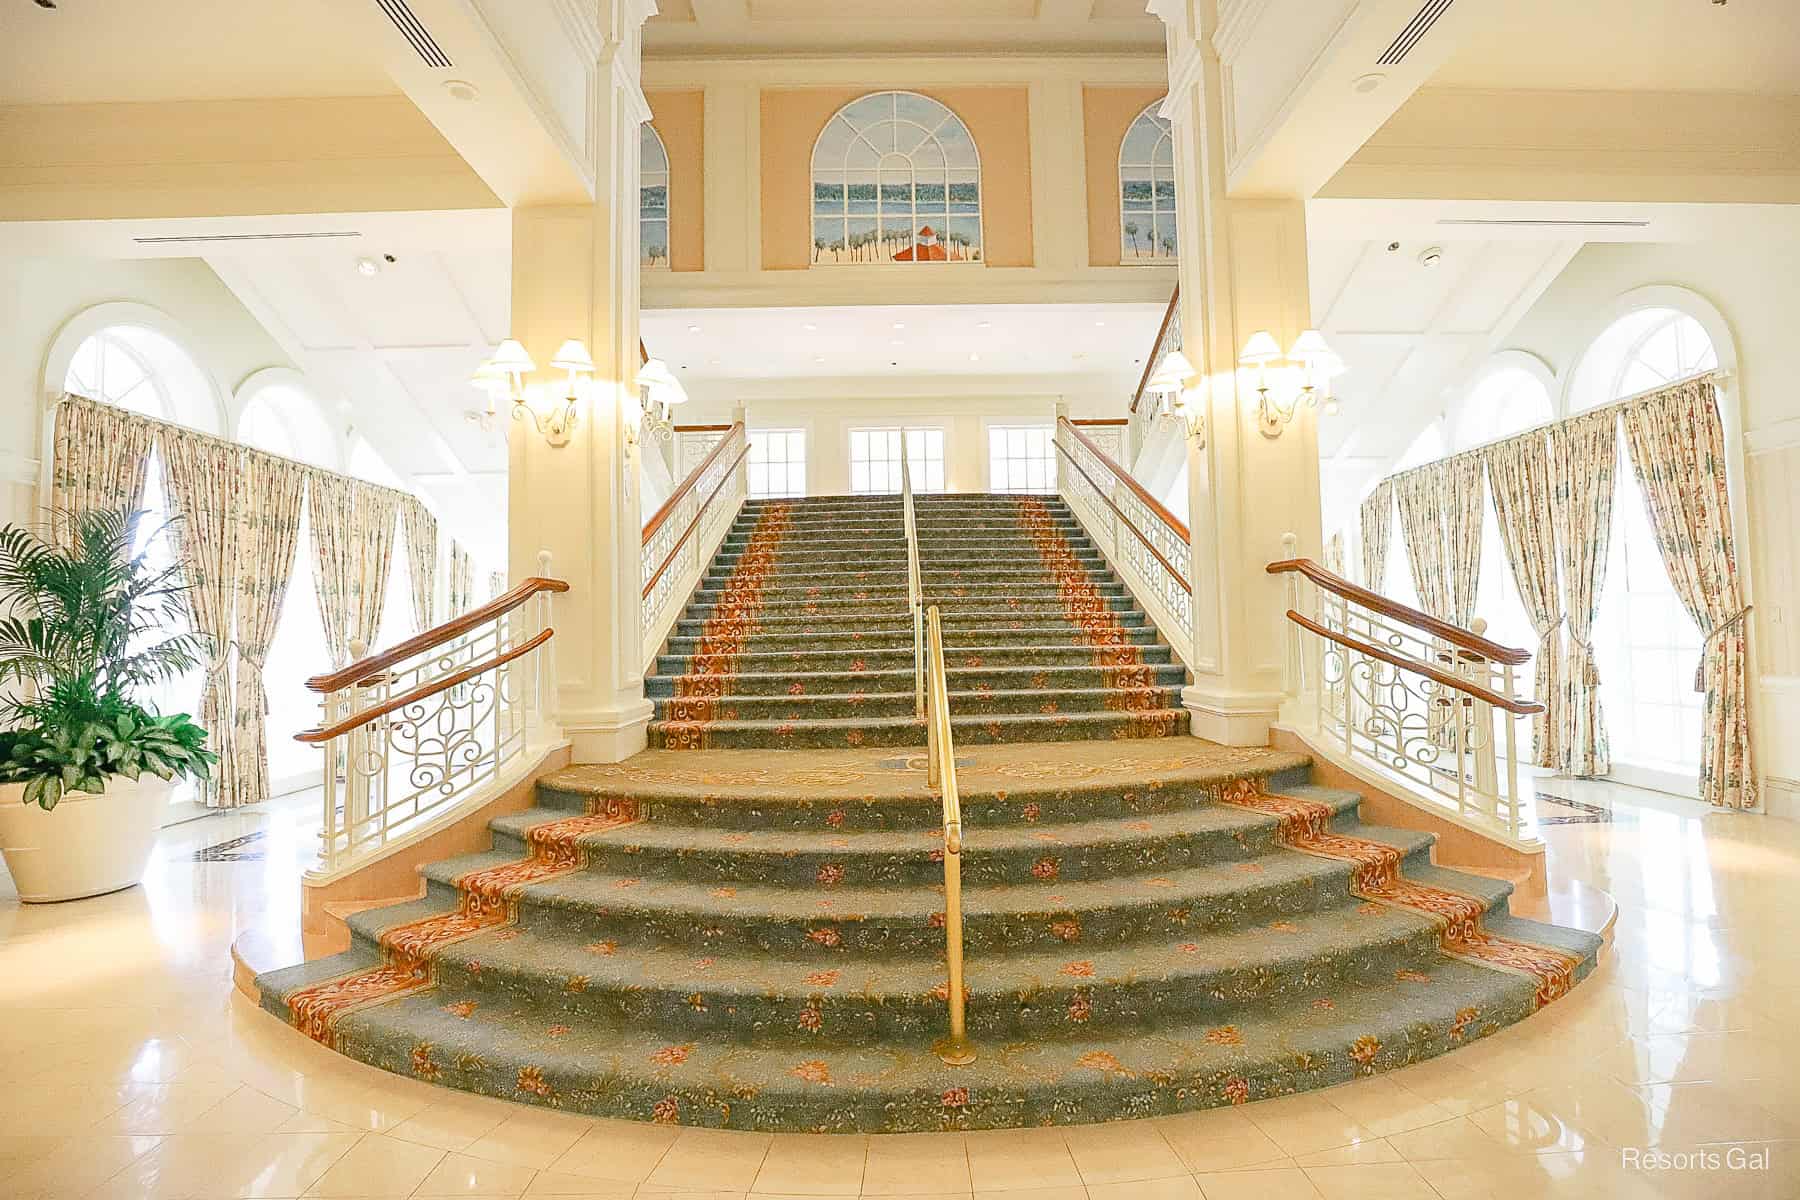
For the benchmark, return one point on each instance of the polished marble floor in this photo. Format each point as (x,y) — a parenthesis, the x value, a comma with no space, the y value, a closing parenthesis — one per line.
(129,1067)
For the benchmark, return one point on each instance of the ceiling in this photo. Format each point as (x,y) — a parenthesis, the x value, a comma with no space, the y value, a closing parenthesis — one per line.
(1631,45)
(905,340)
(880,26)
(95,51)
(1407,330)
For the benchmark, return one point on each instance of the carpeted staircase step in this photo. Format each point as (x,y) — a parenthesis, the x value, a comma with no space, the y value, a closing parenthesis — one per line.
(827,637)
(891,613)
(809,662)
(973,730)
(863,705)
(997,677)
(530,1049)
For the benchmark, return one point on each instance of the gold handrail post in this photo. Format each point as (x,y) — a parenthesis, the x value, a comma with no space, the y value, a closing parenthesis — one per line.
(956,1049)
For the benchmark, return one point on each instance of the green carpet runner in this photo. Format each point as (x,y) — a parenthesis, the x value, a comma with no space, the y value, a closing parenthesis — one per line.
(755,941)
(799,636)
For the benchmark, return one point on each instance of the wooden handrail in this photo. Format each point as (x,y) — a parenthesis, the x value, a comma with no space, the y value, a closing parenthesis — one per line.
(1137,489)
(687,485)
(1162,331)
(1454,634)
(1179,576)
(1523,708)
(699,512)
(313,737)
(454,628)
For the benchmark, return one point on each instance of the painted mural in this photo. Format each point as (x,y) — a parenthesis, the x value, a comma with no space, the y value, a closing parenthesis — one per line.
(653,200)
(1147,190)
(896,179)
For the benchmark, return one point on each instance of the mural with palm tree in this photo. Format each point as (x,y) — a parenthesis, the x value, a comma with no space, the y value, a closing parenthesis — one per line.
(1147,190)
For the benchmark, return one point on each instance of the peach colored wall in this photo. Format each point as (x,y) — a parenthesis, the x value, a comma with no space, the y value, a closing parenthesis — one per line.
(998,119)
(679,118)
(1107,112)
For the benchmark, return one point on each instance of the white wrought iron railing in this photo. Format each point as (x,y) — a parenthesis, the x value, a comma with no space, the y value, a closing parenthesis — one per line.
(680,539)
(1144,408)
(414,730)
(1144,541)
(1389,687)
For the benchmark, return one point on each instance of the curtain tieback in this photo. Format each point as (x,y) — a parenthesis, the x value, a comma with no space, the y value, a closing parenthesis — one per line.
(1722,628)
(1590,674)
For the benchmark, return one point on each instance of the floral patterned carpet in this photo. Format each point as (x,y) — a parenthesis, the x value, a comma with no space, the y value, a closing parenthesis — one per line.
(749,940)
(799,634)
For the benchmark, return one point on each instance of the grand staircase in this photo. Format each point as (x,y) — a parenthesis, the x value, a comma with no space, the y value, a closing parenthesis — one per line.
(724,936)
(799,635)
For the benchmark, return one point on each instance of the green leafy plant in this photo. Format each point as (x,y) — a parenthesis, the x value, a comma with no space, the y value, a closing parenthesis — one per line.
(83,631)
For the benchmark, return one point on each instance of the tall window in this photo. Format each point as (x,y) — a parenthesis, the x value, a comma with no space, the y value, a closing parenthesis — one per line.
(896,178)
(1645,642)
(875,459)
(282,419)
(653,199)
(1506,401)
(1147,190)
(776,465)
(1021,458)
(144,371)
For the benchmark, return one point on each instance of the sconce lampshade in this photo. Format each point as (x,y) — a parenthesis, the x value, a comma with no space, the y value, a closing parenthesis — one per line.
(1311,349)
(1261,348)
(573,356)
(490,378)
(656,376)
(512,359)
(1172,373)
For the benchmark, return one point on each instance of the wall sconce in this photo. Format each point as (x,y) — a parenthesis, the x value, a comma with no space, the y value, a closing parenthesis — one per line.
(1169,383)
(504,375)
(1310,366)
(661,392)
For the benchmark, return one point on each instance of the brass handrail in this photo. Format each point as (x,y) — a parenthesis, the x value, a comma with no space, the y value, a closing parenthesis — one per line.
(915,590)
(956,1049)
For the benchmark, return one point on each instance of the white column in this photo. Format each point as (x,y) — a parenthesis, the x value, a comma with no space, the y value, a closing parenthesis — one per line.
(1243,268)
(575,275)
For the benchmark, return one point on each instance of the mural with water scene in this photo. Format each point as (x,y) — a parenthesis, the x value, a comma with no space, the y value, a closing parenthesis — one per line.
(896,178)
(653,200)
(1147,190)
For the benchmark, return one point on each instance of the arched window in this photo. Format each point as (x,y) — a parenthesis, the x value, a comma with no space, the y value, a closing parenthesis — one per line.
(1504,401)
(1147,190)
(1427,447)
(281,416)
(1645,643)
(653,199)
(146,371)
(896,178)
(367,465)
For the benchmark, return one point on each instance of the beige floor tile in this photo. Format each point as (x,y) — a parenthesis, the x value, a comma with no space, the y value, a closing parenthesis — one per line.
(1306,1124)
(460,1175)
(245,1110)
(219,1166)
(1282,1183)
(703,1159)
(1219,1139)
(805,1165)
(1178,1187)
(1066,1192)
(1011,1159)
(378,1166)
(549,1183)
(453,1123)
(1122,1153)
(1458,1139)
(616,1151)
(1378,1150)
(535,1139)
(74,1167)
(1535,1125)
(1377,1181)
(916,1163)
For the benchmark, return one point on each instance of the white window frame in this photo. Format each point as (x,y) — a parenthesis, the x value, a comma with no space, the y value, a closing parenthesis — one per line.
(1160,166)
(791,466)
(920,440)
(654,172)
(1001,474)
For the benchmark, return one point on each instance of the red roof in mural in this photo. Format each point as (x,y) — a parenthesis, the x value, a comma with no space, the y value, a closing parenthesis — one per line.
(926,249)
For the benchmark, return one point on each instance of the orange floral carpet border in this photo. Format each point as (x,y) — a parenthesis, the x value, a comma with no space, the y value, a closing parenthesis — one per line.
(1305,825)
(1130,680)
(722,639)
(486,898)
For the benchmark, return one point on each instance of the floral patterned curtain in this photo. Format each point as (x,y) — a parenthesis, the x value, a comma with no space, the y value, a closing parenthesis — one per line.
(353,548)
(462,580)
(1423,495)
(201,475)
(1334,553)
(421,559)
(1462,521)
(100,457)
(1677,447)
(1584,453)
(1377,526)
(273,488)
(1519,473)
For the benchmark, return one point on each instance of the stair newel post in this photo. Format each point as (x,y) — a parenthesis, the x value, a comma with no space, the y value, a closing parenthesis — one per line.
(356,779)
(1511,798)
(1293,669)
(332,707)
(1481,671)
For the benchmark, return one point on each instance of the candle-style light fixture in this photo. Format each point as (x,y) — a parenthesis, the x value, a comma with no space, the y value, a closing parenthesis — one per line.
(1302,380)
(1169,384)
(660,394)
(504,375)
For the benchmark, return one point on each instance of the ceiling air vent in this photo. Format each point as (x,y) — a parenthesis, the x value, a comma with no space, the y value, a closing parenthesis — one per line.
(206,238)
(1415,30)
(415,33)
(1550,222)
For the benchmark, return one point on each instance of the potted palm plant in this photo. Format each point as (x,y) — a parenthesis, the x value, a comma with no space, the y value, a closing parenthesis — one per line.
(86,770)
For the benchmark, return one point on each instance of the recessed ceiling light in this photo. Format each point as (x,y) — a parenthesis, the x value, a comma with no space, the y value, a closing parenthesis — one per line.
(461,89)
(1099,324)
(984,324)
(818,358)
(896,342)
(974,358)
(899,324)
(1362,85)
(712,362)
(368,267)
(810,327)
(693,329)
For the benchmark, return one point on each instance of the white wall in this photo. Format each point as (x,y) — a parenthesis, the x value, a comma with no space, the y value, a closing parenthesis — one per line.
(1754,285)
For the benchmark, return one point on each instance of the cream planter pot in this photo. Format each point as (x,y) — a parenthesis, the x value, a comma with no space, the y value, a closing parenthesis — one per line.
(86,845)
